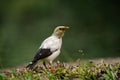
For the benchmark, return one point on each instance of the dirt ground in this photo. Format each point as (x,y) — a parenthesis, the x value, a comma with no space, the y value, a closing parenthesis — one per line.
(107,60)
(95,61)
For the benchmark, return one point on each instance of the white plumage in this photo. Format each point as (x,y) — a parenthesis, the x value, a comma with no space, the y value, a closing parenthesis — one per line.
(54,44)
(50,48)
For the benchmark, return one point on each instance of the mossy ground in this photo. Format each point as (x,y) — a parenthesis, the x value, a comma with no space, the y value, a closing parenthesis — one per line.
(88,70)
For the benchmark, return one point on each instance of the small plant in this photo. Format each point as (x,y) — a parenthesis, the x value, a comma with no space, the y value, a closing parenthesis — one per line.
(66,71)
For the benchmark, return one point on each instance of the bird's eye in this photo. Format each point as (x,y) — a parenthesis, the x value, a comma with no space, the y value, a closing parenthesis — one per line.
(61,29)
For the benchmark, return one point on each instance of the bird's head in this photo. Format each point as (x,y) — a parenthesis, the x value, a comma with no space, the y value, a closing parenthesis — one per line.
(59,31)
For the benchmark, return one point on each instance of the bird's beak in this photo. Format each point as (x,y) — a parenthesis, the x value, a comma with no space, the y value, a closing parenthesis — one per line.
(66,27)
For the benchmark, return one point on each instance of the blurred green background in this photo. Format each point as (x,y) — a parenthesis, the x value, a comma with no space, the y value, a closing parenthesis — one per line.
(24,24)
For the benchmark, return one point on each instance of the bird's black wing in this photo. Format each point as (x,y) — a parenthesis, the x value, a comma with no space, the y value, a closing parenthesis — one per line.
(42,53)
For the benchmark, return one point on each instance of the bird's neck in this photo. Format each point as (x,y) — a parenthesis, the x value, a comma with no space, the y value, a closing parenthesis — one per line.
(59,36)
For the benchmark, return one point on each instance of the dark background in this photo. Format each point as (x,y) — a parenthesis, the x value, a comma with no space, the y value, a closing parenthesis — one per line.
(24,24)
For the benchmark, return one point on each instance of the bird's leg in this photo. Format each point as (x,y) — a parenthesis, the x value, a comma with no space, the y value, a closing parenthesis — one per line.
(50,63)
(51,66)
(44,64)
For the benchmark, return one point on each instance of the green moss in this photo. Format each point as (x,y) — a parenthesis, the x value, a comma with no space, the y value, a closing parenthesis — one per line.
(65,71)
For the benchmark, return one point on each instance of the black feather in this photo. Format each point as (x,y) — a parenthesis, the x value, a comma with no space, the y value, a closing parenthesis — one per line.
(31,65)
(41,54)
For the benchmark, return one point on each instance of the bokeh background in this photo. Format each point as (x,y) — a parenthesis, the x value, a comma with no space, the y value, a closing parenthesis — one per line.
(24,24)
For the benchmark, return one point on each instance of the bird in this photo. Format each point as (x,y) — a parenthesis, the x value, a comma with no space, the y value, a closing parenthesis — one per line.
(50,48)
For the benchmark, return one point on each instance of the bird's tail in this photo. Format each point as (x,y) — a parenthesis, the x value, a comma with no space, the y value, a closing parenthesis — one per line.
(31,65)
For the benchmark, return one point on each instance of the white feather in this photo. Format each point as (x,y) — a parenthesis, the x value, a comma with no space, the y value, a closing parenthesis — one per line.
(54,44)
